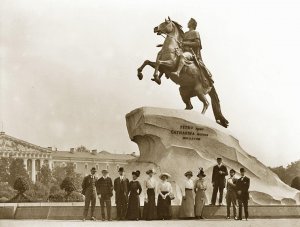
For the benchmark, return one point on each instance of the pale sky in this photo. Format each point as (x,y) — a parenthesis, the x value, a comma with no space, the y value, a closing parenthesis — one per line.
(68,70)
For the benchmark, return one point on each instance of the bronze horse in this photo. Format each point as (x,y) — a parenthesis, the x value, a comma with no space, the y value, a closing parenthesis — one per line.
(194,79)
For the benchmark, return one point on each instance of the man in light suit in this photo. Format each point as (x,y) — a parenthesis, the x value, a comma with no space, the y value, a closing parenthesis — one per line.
(90,193)
(121,185)
(242,187)
(231,194)
(218,181)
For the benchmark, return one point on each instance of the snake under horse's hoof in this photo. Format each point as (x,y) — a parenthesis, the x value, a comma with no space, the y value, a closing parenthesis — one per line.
(223,122)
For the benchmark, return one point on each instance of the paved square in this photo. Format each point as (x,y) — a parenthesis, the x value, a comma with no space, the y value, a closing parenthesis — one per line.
(174,223)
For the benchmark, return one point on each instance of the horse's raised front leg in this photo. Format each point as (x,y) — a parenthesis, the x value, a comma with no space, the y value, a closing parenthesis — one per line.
(140,69)
(156,77)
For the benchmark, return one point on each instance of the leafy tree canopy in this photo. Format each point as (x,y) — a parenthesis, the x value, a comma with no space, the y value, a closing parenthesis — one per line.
(287,174)
(82,149)
(21,185)
(296,183)
(4,169)
(16,170)
(45,175)
(68,185)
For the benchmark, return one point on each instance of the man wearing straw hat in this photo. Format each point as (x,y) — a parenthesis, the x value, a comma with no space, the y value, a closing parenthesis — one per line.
(104,190)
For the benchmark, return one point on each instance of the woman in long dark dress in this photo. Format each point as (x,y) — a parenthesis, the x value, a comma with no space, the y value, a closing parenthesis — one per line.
(164,189)
(149,204)
(135,189)
(200,188)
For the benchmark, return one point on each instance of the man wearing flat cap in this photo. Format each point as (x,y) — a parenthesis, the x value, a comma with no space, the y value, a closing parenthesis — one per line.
(121,185)
(104,188)
(90,193)
(218,181)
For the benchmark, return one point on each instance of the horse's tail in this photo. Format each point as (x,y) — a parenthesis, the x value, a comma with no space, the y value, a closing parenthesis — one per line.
(215,102)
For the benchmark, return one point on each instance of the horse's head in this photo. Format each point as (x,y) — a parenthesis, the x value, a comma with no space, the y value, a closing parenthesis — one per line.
(165,27)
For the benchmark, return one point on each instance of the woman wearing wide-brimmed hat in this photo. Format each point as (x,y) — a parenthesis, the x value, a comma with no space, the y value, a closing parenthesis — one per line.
(200,188)
(187,204)
(164,190)
(135,189)
(149,204)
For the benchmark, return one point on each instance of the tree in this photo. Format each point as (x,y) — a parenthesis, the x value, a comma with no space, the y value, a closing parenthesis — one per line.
(296,183)
(68,186)
(82,149)
(293,171)
(45,175)
(4,169)
(59,174)
(21,185)
(54,189)
(17,170)
(6,192)
(38,192)
(289,173)
(76,177)
(70,169)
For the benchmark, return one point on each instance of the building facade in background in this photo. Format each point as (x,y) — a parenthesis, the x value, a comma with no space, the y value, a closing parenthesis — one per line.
(34,157)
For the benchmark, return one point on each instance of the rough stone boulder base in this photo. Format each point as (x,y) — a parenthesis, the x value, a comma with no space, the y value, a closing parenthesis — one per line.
(178,140)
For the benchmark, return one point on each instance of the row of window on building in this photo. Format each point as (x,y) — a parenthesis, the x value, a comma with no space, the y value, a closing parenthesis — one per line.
(87,166)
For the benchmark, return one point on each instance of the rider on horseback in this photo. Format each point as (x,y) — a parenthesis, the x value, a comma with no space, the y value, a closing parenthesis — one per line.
(191,43)
(194,80)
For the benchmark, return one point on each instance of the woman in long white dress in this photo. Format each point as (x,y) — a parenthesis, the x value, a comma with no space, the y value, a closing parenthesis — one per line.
(200,188)
(164,190)
(187,204)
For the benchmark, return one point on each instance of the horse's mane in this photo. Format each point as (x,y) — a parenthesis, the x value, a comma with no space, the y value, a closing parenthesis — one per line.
(179,27)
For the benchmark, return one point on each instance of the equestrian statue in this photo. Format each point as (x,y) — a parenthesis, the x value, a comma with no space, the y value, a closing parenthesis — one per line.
(180,60)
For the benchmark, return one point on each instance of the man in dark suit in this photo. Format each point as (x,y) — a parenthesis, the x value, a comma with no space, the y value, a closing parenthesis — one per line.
(242,188)
(218,181)
(105,192)
(89,191)
(121,185)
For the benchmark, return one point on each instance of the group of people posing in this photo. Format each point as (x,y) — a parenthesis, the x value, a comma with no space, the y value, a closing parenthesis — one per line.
(127,194)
